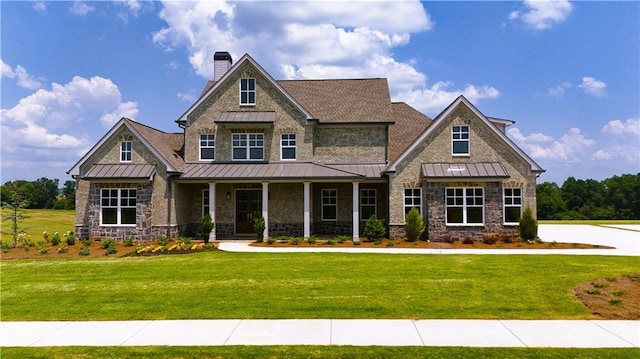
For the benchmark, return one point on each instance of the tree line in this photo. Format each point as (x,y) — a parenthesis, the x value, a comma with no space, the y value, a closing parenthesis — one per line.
(41,193)
(617,197)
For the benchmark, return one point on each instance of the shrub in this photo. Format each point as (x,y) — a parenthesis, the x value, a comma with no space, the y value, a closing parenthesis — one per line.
(163,240)
(270,240)
(414,225)
(332,242)
(69,238)
(63,249)
(185,241)
(377,242)
(108,242)
(390,244)
(45,235)
(6,246)
(295,240)
(312,239)
(258,227)
(206,226)
(111,250)
(528,226)
(41,247)
(128,242)
(55,239)
(84,250)
(374,228)
(467,240)
(86,242)
(342,238)
(489,238)
(507,239)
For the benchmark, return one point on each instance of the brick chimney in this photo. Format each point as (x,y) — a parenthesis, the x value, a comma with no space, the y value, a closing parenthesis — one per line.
(221,64)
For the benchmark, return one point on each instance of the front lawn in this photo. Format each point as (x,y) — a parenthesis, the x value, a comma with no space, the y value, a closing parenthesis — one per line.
(220,285)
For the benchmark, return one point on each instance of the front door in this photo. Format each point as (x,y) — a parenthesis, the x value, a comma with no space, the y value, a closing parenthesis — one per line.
(248,207)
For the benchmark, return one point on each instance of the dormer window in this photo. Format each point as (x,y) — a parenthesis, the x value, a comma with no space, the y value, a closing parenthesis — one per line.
(460,140)
(125,151)
(248,91)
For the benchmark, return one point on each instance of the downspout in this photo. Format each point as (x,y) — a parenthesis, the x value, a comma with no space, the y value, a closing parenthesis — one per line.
(169,200)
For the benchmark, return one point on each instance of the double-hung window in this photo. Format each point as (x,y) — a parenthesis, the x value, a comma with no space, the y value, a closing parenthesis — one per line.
(465,206)
(207,147)
(460,140)
(247,146)
(248,91)
(412,199)
(118,207)
(512,205)
(205,202)
(288,146)
(329,204)
(367,203)
(125,151)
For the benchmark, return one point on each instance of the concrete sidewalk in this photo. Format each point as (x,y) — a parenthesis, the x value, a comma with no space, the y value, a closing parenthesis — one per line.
(384,332)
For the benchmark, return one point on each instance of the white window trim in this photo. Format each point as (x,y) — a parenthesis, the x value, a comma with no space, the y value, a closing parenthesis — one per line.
(468,141)
(295,146)
(404,198)
(124,151)
(205,201)
(201,147)
(375,203)
(504,206)
(247,147)
(465,206)
(118,208)
(247,91)
(333,205)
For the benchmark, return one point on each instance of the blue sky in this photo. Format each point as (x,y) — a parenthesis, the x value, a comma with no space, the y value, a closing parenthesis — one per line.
(567,72)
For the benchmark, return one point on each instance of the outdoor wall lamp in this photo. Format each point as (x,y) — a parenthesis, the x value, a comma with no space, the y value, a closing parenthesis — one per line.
(228,196)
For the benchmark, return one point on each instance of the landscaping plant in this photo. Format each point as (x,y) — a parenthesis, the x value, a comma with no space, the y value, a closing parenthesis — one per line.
(258,227)
(414,226)
(528,226)
(206,226)
(374,228)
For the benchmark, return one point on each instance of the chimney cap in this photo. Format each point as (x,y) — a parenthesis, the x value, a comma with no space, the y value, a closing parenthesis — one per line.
(222,55)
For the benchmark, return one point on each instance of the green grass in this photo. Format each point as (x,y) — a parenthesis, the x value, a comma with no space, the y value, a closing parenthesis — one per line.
(342,352)
(40,220)
(218,285)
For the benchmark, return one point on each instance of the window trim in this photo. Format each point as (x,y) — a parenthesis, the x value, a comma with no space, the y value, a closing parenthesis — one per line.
(374,205)
(118,207)
(505,205)
(248,91)
(207,146)
(205,202)
(465,206)
(247,147)
(323,205)
(413,197)
(288,145)
(126,154)
(461,133)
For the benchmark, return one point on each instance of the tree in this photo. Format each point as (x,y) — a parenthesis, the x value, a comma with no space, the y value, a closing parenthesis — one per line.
(15,215)
(528,225)
(549,201)
(414,225)
(623,194)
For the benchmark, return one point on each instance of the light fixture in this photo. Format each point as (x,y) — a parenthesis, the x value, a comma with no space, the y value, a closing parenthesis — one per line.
(228,196)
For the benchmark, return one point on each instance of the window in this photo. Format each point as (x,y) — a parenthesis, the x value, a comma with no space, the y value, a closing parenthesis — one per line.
(465,205)
(367,203)
(512,205)
(205,202)
(460,140)
(207,147)
(248,91)
(329,204)
(125,151)
(248,146)
(118,207)
(288,146)
(412,198)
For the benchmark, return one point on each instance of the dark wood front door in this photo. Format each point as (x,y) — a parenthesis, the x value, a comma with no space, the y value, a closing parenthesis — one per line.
(248,207)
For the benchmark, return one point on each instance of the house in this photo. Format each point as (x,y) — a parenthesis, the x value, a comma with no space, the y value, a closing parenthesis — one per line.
(310,157)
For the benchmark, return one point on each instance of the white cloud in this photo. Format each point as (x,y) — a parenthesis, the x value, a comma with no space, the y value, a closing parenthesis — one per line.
(438,97)
(80,8)
(39,6)
(559,90)
(128,109)
(542,14)
(187,96)
(623,143)
(570,148)
(593,87)
(631,127)
(23,79)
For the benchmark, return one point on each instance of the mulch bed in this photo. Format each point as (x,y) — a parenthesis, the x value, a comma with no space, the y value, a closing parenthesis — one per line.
(611,297)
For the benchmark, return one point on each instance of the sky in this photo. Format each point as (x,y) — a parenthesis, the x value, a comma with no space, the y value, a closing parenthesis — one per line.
(568,73)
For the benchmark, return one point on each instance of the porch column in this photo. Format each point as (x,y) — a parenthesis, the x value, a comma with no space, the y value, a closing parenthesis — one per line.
(356,212)
(265,208)
(212,209)
(307,214)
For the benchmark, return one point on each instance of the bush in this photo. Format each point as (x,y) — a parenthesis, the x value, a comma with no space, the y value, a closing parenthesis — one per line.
(128,242)
(55,239)
(69,238)
(63,249)
(374,228)
(467,240)
(185,241)
(206,226)
(489,238)
(312,239)
(86,242)
(342,238)
(295,240)
(270,240)
(163,240)
(106,243)
(84,250)
(111,250)
(414,225)
(528,226)
(258,227)
(42,249)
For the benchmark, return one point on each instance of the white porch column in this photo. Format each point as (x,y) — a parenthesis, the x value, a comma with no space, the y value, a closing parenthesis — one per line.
(356,212)
(212,209)
(265,208)
(307,213)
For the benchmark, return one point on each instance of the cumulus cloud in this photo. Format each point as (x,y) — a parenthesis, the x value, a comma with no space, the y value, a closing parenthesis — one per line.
(23,79)
(542,14)
(80,8)
(593,87)
(570,148)
(39,6)
(439,96)
(623,142)
(630,127)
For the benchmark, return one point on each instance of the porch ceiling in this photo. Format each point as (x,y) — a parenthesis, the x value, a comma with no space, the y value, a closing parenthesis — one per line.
(464,170)
(279,170)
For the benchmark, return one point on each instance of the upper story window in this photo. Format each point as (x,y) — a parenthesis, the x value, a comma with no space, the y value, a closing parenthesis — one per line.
(125,151)
(248,91)
(465,205)
(412,198)
(512,205)
(288,146)
(118,207)
(247,146)
(460,140)
(207,147)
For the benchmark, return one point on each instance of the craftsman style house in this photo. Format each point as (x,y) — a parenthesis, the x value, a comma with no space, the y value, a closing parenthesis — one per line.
(310,157)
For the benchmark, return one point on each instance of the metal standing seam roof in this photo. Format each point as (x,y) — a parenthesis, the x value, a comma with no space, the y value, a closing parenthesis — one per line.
(279,170)
(246,117)
(120,171)
(464,170)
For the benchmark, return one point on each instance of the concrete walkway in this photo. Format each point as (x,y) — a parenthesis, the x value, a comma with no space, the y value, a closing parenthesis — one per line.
(385,332)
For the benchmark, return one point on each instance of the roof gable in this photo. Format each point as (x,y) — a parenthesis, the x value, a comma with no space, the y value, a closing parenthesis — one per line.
(462,101)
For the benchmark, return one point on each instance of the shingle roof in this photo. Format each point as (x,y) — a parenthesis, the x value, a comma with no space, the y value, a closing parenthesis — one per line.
(409,124)
(464,170)
(168,145)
